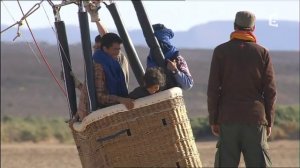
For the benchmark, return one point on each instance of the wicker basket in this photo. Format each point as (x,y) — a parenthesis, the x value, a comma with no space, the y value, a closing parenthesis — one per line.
(156,133)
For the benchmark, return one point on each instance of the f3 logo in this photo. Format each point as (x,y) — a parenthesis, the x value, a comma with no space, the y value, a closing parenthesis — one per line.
(273,20)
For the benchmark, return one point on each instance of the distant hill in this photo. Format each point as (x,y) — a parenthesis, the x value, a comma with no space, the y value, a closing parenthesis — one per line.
(28,89)
(203,36)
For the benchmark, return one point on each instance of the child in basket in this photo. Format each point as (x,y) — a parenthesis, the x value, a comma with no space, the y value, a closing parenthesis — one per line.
(154,79)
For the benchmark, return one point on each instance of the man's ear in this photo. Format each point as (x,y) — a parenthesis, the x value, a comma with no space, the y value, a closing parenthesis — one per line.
(105,49)
(235,27)
(253,28)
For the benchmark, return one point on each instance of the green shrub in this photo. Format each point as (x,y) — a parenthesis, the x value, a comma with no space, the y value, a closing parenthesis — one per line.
(287,120)
(200,127)
(278,133)
(286,124)
(26,135)
(34,129)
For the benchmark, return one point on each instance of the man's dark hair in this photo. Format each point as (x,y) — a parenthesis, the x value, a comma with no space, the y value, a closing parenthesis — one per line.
(240,27)
(108,39)
(98,39)
(154,76)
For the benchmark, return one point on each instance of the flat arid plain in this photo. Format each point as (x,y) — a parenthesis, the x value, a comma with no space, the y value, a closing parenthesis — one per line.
(284,153)
(23,77)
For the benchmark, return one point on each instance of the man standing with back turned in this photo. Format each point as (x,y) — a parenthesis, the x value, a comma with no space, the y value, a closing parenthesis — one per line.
(241,96)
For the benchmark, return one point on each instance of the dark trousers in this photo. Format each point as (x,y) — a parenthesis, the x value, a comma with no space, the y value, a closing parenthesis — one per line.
(249,139)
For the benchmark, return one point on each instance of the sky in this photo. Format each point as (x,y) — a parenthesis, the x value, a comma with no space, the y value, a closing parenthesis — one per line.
(178,15)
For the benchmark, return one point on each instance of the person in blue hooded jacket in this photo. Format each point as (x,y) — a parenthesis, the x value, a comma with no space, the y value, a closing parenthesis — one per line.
(176,64)
(110,81)
(110,70)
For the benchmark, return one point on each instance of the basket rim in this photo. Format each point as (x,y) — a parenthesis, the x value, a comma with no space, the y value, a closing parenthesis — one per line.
(138,103)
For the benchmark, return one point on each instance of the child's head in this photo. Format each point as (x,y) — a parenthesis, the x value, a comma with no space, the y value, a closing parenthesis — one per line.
(154,79)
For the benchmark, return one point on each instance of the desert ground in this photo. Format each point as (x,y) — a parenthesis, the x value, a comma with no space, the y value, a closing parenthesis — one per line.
(26,78)
(284,153)
(23,78)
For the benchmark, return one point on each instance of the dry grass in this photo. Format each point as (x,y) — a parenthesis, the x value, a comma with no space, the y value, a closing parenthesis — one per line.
(22,77)
(284,153)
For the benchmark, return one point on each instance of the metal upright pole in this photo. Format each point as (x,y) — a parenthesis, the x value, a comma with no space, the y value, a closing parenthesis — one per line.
(87,53)
(65,60)
(149,33)
(152,42)
(132,56)
(66,65)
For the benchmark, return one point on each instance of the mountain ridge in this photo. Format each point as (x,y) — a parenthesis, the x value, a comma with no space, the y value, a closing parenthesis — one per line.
(203,36)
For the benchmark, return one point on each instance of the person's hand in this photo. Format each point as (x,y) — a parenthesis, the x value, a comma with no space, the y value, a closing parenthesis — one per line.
(127,102)
(215,129)
(92,8)
(72,121)
(171,65)
(77,82)
(269,131)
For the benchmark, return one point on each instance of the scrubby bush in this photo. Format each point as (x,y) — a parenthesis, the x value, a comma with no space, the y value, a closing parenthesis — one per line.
(34,129)
(200,127)
(286,124)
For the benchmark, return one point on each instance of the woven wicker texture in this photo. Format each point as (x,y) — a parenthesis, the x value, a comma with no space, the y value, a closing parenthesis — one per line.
(157,135)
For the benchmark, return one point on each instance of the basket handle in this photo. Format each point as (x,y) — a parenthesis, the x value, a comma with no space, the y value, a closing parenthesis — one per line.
(109,137)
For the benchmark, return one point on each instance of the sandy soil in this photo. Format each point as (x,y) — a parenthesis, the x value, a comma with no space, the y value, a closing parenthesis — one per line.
(284,153)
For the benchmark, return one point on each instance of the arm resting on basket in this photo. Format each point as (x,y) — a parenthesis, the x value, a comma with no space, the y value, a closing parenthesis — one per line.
(103,97)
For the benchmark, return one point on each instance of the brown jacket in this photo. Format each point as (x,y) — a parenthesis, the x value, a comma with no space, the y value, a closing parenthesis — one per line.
(241,87)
